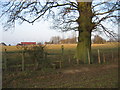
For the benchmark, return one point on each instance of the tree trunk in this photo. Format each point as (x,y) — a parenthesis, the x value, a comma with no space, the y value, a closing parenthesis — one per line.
(83,46)
(85,29)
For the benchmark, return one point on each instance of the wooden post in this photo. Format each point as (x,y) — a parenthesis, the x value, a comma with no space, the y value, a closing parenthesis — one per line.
(99,56)
(62,47)
(77,61)
(103,57)
(23,63)
(112,56)
(45,56)
(69,60)
(5,59)
(60,64)
(54,65)
(88,57)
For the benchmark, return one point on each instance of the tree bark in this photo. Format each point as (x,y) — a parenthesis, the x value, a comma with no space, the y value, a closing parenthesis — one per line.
(85,29)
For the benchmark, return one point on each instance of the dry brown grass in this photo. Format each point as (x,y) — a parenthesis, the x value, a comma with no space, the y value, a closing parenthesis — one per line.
(66,46)
(107,45)
(58,46)
(10,48)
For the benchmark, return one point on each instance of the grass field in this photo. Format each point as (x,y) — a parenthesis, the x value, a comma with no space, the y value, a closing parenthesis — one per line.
(66,46)
(71,75)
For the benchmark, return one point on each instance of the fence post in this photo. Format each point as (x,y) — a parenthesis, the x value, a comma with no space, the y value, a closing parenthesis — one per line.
(62,47)
(103,57)
(99,56)
(60,64)
(23,63)
(5,59)
(77,61)
(45,55)
(88,56)
(69,60)
(112,56)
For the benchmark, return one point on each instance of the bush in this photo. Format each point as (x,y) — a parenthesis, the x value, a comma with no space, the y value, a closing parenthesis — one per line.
(36,53)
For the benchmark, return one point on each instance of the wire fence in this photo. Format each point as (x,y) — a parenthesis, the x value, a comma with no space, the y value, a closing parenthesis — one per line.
(56,56)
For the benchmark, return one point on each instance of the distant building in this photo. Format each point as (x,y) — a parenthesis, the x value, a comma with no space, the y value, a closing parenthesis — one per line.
(39,43)
(3,44)
(48,43)
(26,43)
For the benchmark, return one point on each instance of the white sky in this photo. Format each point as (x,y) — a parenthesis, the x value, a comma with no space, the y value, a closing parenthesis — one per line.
(38,32)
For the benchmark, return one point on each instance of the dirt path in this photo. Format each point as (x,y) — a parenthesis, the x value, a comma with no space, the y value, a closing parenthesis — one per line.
(82,76)
(87,69)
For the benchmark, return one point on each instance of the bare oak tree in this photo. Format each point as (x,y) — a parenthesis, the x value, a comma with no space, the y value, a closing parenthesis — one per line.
(84,17)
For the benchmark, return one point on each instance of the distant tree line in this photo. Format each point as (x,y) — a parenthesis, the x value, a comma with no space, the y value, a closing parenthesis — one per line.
(68,41)
(59,40)
(99,40)
(73,40)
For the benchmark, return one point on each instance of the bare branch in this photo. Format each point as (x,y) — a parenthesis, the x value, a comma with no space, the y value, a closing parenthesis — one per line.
(106,30)
(64,13)
(106,12)
(107,17)
(98,4)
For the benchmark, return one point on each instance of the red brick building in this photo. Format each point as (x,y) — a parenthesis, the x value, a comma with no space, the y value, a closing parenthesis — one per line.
(28,43)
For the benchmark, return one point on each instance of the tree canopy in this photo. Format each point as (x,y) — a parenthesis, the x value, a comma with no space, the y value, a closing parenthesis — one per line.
(78,15)
(64,13)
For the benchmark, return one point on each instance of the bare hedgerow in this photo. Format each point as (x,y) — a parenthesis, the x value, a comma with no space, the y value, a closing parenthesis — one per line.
(37,54)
